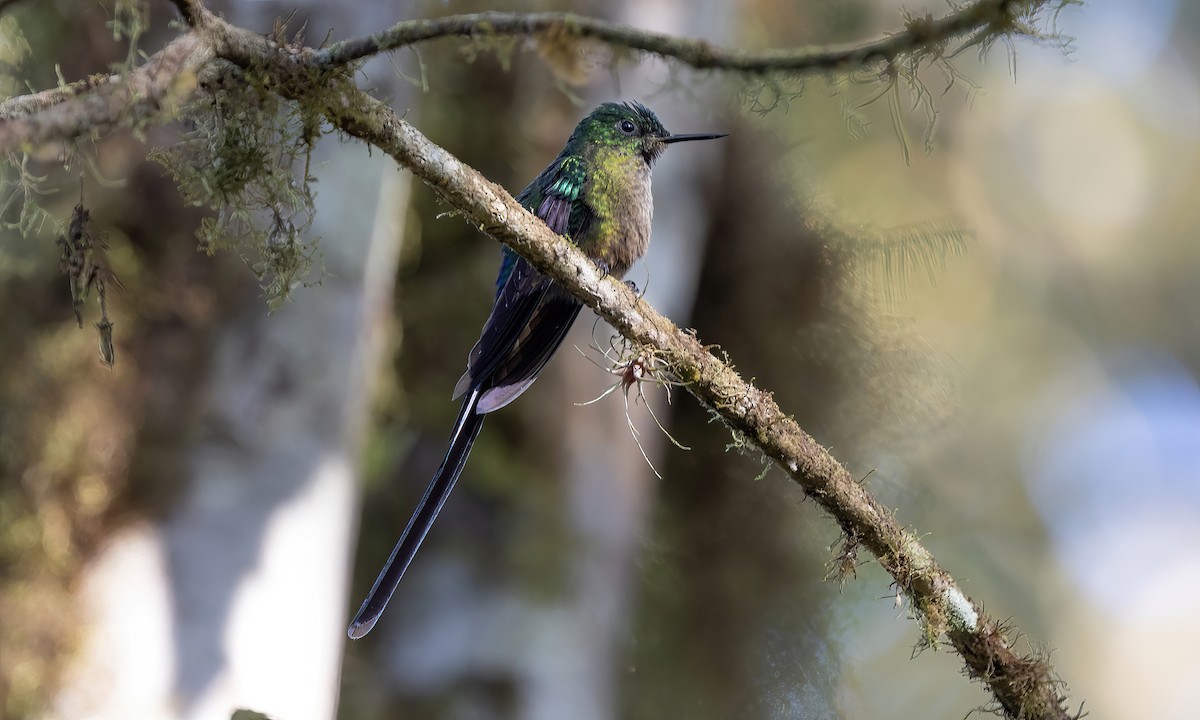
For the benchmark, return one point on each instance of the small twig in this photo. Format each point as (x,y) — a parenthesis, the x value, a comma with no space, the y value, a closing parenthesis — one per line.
(630,373)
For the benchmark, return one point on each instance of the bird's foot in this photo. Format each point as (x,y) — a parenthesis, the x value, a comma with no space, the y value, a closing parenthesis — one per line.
(607,270)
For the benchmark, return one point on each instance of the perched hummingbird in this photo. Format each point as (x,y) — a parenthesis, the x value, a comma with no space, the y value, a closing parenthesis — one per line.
(597,193)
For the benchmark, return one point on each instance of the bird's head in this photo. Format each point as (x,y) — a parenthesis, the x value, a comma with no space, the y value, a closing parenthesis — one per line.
(630,128)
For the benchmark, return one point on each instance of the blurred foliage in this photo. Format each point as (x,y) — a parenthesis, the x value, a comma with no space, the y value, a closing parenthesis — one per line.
(63,455)
(887,259)
(22,197)
(130,20)
(14,49)
(84,448)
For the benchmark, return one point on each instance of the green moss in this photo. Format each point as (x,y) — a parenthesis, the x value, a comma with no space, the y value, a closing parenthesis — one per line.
(130,20)
(247,157)
(20,192)
(14,49)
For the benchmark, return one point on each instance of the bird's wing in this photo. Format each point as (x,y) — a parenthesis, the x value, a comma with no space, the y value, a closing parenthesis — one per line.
(528,322)
(530,316)
(555,196)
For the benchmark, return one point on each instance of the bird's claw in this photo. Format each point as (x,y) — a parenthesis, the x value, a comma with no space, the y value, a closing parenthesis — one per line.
(607,270)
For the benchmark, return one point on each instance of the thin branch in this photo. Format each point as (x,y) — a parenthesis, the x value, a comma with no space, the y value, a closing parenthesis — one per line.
(23,105)
(167,79)
(970,19)
(29,104)
(976,20)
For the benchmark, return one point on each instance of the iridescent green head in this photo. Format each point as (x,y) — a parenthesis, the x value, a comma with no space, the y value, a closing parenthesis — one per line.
(631,127)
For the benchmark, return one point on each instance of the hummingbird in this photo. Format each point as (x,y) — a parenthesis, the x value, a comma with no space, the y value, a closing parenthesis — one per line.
(597,194)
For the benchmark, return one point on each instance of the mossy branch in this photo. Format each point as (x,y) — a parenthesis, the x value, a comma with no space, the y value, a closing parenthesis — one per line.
(984,16)
(1023,686)
(977,23)
(101,103)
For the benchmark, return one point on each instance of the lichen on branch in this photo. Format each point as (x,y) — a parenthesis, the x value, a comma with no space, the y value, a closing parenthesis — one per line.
(247,157)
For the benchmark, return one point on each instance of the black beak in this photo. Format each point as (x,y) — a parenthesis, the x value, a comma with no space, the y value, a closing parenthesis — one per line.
(693,136)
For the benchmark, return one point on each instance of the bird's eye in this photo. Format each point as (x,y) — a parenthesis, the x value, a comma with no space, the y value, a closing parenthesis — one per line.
(627,127)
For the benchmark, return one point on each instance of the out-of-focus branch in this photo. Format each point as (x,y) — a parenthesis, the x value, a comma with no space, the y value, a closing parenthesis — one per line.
(971,19)
(1023,686)
(28,104)
(50,117)
(94,106)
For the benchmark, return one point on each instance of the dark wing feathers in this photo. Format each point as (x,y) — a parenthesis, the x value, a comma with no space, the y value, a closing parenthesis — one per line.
(530,317)
(531,351)
(555,210)
(555,198)
(512,312)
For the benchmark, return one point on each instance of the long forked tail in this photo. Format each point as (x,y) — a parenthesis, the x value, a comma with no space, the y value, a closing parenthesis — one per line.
(466,429)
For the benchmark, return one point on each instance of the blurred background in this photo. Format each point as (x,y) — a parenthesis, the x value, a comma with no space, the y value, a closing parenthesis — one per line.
(188,533)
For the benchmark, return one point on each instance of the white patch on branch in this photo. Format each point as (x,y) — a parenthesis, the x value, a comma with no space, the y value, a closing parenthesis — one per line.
(962,615)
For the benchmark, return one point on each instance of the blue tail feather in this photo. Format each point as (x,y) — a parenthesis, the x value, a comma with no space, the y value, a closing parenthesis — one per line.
(466,429)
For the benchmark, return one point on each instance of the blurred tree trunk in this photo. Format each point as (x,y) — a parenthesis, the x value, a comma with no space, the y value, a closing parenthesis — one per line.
(460,637)
(732,621)
(251,561)
(732,617)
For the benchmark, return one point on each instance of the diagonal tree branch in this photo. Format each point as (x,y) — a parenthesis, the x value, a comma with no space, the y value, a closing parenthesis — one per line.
(1023,686)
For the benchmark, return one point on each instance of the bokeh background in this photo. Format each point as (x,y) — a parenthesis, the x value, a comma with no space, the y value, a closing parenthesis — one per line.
(188,533)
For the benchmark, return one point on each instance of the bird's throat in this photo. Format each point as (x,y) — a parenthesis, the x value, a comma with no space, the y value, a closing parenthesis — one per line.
(618,192)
